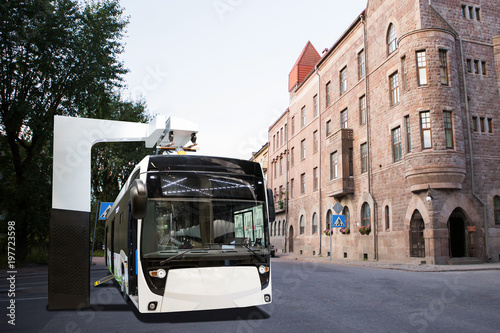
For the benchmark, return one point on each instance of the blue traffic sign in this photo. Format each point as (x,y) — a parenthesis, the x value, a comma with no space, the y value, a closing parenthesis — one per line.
(105,208)
(338,221)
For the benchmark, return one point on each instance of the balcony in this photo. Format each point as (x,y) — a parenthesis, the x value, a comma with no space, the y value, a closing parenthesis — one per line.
(280,205)
(341,142)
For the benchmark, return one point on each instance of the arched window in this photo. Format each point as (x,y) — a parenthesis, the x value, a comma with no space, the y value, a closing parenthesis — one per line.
(496,208)
(387,220)
(347,215)
(391,39)
(328,220)
(273,229)
(314,223)
(279,227)
(302,225)
(417,245)
(284,227)
(365,215)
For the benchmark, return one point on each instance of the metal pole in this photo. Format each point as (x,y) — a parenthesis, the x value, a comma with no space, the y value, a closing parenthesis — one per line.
(95,226)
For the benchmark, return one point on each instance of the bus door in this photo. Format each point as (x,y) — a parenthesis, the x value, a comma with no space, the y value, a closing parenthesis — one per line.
(132,251)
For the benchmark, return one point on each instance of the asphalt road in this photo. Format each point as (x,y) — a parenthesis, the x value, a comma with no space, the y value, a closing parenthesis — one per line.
(308,297)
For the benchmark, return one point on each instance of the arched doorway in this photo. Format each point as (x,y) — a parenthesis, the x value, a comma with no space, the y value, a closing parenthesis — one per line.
(290,240)
(457,228)
(417,241)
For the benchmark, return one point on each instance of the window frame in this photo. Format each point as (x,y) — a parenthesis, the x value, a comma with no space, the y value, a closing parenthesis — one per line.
(314,223)
(448,129)
(303,149)
(347,215)
(303,183)
(425,127)
(328,91)
(292,188)
(364,157)
(392,37)
(496,209)
(421,59)
(397,149)
(315,105)
(343,80)
(315,141)
(394,88)
(344,119)
(315,179)
(443,67)
(365,215)
(333,165)
(302,227)
(408,133)
(361,64)
(362,110)
(328,129)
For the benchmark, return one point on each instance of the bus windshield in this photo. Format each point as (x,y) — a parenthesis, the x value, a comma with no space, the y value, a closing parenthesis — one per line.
(204,212)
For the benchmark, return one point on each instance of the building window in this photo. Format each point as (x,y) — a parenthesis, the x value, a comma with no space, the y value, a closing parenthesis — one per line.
(351,163)
(274,169)
(280,193)
(408,134)
(316,106)
(316,141)
(302,226)
(286,132)
(490,125)
(303,183)
(315,179)
(496,208)
(396,144)
(314,223)
(474,124)
(329,220)
(365,215)
(387,218)
(303,116)
(448,129)
(464,11)
(391,39)
(469,66)
(476,67)
(343,80)
(361,64)
(292,188)
(404,72)
(483,67)
(362,110)
(471,12)
(425,129)
(293,125)
(482,124)
(417,243)
(328,93)
(443,66)
(394,85)
(328,127)
(343,118)
(347,216)
(478,14)
(333,166)
(421,68)
(279,227)
(303,149)
(281,166)
(292,152)
(364,157)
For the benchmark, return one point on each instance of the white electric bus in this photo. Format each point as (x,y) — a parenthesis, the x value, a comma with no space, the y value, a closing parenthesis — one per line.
(191,233)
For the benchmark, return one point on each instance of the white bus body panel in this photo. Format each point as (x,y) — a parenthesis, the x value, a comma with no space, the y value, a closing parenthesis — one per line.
(212,288)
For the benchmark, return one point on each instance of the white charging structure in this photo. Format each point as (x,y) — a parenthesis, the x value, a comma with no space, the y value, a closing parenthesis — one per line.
(69,252)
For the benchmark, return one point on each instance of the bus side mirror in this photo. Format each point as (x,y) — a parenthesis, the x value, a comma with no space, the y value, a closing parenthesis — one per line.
(138,199)
(270,204)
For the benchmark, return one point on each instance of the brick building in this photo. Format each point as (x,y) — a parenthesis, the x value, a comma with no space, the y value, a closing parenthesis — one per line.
(398,122)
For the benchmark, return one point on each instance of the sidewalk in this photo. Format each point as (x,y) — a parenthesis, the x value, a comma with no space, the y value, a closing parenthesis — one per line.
(390,265)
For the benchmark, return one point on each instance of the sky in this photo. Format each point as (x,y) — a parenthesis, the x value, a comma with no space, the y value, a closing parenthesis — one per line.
(224,64)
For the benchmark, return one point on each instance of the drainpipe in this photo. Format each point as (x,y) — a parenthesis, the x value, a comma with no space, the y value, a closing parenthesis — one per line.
(285,228)
(369,164)
(467,113)
(320,213)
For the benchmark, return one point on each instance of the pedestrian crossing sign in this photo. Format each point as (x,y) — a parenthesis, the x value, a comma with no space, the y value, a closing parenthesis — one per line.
(105,208)
(338,221)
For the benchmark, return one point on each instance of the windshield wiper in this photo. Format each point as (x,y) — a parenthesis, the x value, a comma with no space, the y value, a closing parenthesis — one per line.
(163,262)
(258,256)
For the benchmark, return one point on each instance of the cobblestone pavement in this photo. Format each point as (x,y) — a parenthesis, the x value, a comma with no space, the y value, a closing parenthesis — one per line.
(392,265)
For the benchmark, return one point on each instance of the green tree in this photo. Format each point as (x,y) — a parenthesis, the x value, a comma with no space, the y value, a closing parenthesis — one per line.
(57,57)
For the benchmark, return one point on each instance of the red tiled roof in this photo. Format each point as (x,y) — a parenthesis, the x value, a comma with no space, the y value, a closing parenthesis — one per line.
(304,64)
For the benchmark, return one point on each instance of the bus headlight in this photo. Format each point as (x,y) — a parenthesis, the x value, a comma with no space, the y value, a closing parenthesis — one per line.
(263,269)
(159,273)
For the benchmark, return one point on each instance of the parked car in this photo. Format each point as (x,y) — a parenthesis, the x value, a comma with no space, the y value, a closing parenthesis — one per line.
(273,251)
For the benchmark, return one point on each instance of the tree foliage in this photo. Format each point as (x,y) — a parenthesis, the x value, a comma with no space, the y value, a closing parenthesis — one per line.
(57,57)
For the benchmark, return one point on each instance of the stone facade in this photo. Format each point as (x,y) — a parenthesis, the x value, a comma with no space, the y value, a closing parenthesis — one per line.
(419,162)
